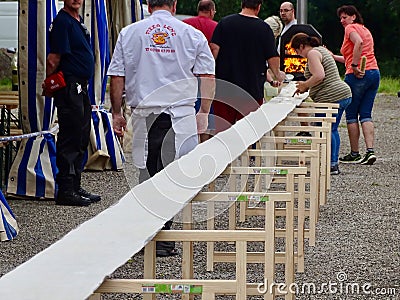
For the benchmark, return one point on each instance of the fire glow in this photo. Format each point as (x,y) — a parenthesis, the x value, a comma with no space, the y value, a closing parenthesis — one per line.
(293,64)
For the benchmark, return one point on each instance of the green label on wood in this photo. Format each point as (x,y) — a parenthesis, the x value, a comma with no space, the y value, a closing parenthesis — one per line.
(298,141)
(172,289)
(270,171)
(245,198)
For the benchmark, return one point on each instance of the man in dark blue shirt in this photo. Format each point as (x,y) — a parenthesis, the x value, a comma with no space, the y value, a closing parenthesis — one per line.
(71,53)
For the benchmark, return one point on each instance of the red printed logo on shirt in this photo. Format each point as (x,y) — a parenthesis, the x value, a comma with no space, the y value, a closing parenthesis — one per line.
(159,38)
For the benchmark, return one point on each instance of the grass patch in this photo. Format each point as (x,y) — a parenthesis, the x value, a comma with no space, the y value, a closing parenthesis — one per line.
(5,84)
(389,85)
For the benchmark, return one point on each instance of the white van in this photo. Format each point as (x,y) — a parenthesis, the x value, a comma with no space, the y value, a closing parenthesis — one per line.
(146,13)
(9,24)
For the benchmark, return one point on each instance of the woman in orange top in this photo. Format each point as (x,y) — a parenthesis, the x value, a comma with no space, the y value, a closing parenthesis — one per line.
(358,42)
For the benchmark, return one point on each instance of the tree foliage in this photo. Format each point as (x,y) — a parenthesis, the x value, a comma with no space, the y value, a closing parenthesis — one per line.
(381,17)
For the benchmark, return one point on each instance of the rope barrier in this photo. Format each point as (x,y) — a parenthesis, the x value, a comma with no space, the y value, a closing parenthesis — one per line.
(5,139)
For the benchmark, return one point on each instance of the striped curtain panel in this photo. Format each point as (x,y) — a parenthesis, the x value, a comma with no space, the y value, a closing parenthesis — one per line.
(104,151)
(123,13)
(8,224)
(33,171)
(105,19)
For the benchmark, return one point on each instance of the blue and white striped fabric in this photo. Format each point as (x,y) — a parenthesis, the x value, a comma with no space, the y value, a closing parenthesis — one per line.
(8,224)
(123,13)
(104,150)
(34,170)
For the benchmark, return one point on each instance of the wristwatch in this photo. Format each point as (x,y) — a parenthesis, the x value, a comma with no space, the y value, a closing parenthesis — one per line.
(354,65)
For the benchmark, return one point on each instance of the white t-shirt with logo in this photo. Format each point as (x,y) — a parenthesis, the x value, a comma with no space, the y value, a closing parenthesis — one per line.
(159,58)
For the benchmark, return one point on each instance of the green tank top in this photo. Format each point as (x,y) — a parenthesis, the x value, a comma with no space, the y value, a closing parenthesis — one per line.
(332,88)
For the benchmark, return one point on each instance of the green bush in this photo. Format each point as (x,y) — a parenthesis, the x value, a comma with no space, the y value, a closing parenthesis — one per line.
(390,68)
(389,85)
(5,84)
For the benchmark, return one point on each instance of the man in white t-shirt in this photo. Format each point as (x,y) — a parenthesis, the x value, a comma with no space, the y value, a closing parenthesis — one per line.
(287,14)
(158,61)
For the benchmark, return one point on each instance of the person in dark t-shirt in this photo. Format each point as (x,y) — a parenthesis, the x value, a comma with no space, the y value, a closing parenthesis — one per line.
(242,45)
(71,53)
(205,23)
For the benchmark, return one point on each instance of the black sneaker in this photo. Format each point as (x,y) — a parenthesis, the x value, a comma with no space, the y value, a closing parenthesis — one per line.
(369,158)
(303,133)
(166,252)
(92,197)
(335,170)
(351,159)
(71,199)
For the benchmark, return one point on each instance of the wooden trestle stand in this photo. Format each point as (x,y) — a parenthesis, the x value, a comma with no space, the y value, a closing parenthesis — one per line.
(279,184)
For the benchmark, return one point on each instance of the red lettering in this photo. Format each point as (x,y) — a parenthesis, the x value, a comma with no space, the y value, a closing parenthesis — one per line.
(160,50)
(152,28)
(172,30)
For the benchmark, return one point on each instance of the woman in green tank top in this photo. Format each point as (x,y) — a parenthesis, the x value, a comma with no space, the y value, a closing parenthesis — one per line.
(323,83)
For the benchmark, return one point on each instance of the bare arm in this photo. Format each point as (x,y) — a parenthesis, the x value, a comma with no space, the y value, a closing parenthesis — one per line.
(358,45)
(269,76)
(314,60)
(338,58)
(117,85)
(214,50)
(52,63)
(207,92)
(271,80)
(357,50)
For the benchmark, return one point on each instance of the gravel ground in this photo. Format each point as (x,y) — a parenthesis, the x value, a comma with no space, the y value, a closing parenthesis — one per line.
(358,240)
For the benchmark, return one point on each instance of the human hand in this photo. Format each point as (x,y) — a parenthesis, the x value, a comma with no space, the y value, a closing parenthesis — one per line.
(45,91)
(119,124)
(275,83)
(301,87)
(281,76)
(358,73)
(202,122)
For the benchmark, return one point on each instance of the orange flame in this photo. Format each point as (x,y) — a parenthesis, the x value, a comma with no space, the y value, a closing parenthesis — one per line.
(293,64)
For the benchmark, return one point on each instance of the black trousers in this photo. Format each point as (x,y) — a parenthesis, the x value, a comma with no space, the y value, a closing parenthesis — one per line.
(161,152)
(74,119)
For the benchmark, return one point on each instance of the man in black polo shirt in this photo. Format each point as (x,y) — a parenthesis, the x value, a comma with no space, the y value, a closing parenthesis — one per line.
(70,52)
